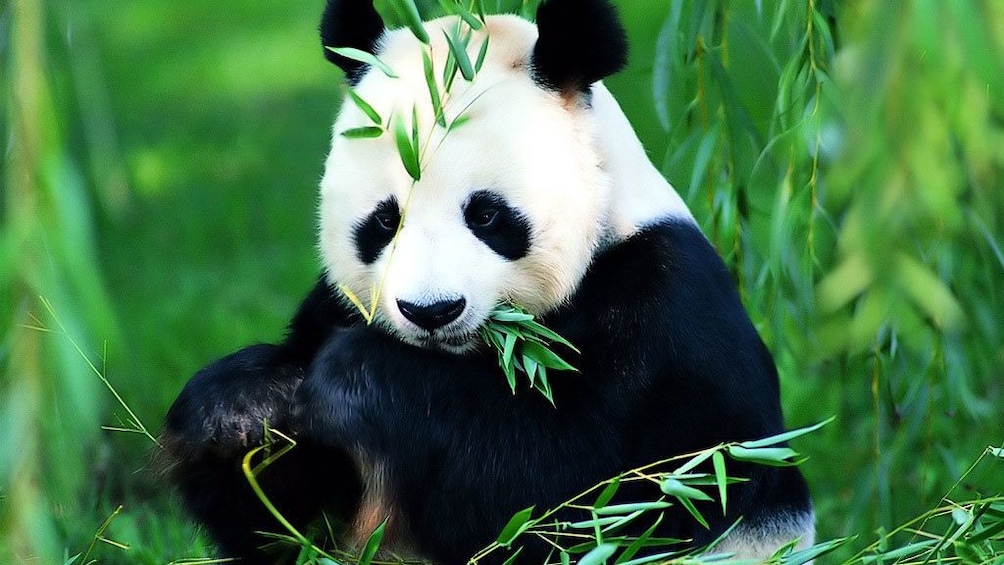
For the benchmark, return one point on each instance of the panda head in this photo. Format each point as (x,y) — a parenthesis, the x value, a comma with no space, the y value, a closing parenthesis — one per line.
(512,203)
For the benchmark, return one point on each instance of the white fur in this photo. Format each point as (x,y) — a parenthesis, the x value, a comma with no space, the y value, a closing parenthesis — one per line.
(579,174)
(761,540)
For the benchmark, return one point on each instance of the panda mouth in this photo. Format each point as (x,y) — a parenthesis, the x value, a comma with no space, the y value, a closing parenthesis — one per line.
(451,343)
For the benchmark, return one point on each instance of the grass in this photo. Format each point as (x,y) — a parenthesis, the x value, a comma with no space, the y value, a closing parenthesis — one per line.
(160,170)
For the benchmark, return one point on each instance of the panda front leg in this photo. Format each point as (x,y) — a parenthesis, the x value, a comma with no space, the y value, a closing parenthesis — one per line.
(222,413)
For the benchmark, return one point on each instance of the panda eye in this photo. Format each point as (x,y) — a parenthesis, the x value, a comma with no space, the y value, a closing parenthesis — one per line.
(486,218)
(388,221)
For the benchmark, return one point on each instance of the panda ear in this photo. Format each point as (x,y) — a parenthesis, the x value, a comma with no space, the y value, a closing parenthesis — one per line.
(580,42)
(350,23)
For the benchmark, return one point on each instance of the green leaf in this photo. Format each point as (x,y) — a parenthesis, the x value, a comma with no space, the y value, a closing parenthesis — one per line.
(365,107)
(786,436)
(482,54)
(508,350)
(595,522)
(686,503)
(721,477)
(512,316)
(530,366)
(639,543)
(544,386)
(459,9)
(408,153)
(650,558)
(810,554)
(430,82)
(449,72)
(681,491)
(695,461)
(414,136)
(413,19)
(363,57)
(366,132)
(632,507)
(622,521)
(549,334)
(607,494)
(459,52)
(459,121)
(512,558)
(545,357)
(987,533)
(774,456)
(510,377)
(598,555)
(372,544)
(519,522)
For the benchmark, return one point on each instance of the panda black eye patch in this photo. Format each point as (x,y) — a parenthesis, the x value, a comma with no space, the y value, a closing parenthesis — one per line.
(500,226)
(376,230)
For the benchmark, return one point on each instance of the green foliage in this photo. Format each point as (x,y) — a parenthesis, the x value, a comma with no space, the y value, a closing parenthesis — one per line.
(523,345)
(845,158)
(602,536)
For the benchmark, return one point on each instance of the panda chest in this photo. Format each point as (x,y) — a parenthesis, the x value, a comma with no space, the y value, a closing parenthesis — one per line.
(377,506)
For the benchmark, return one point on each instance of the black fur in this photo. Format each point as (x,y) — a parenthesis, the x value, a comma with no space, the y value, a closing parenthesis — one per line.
(581,42)
(377,230)
(500,226)
(350,23)
(670,363)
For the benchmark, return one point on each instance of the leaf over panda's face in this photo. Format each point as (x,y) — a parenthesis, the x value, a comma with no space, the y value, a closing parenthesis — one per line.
(510,202)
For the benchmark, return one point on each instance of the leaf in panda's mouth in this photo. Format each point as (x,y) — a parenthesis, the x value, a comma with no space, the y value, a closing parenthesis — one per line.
(522,345)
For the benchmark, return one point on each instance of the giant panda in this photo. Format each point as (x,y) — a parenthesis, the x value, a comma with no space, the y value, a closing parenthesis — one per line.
(544,198)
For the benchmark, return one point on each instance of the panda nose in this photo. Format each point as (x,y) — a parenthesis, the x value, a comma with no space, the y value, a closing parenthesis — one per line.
(432,316)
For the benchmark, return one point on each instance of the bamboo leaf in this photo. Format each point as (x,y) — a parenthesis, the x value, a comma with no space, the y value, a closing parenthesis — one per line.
(598,555)
(365,107)
(459,52)
(512,558)
(673,487)
(774,456)
(366,132)
(365,58)
(516,525)
(407,152)
(686,503)
(721,478)
(413,19)
(545,356)
(459,9)
(482,55)
(638,543)
(607,494)
(632,507)
(372,544)
(430,82)
(786,436)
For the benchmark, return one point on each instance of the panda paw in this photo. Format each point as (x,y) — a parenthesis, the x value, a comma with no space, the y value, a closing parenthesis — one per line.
(224,409)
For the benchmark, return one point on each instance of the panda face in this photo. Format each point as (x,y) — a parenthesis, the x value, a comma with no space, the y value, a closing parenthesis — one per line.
(511,204)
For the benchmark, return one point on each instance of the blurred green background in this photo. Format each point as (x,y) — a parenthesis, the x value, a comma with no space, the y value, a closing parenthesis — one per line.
(160,162)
